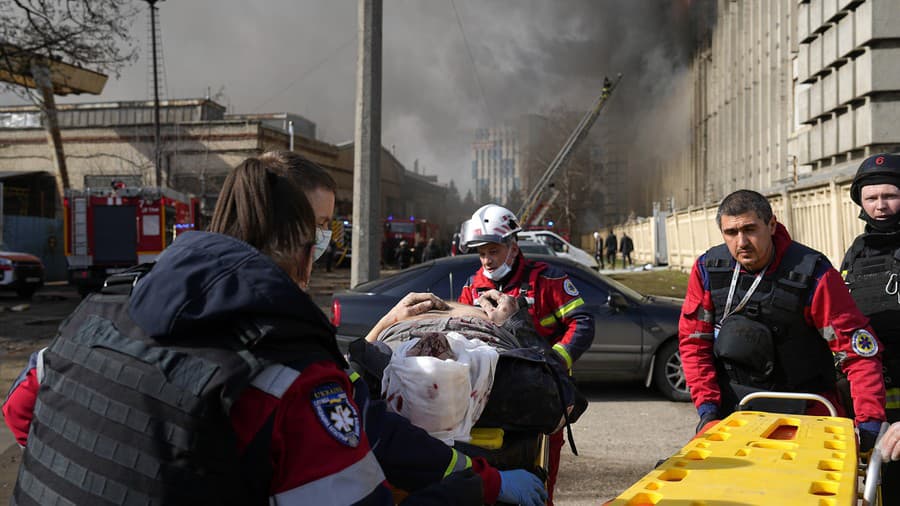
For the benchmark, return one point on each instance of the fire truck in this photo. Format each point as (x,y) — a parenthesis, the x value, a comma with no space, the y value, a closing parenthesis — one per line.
(415,231)
(107,231)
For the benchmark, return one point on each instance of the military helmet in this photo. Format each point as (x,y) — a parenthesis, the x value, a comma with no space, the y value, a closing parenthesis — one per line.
(876,169)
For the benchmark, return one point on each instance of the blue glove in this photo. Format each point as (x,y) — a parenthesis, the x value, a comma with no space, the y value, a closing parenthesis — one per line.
(868,434)
(521,487)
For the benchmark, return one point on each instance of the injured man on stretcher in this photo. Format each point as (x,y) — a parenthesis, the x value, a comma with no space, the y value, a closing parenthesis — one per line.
(448,367)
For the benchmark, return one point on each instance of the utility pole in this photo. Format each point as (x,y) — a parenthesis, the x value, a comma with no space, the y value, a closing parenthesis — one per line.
(156,152)
(365,265)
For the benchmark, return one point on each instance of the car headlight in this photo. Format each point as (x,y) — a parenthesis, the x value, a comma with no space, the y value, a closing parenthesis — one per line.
(6,264)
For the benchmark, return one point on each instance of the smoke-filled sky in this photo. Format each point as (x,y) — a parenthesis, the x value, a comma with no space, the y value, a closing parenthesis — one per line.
(526,56)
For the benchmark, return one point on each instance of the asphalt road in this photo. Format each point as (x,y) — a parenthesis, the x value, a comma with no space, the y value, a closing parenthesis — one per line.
(621,436)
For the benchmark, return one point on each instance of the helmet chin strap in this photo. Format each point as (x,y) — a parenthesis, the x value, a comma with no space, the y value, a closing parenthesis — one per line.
(891,224)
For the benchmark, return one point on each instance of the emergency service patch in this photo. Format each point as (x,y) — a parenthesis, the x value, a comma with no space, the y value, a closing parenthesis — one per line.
(570,289)
(336,413)
(864,343)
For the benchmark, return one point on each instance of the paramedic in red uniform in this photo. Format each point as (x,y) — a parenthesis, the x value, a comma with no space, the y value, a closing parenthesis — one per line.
(552,299)
(763,312)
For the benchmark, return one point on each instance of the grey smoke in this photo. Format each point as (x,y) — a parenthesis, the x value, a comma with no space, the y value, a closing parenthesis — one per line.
(529,56)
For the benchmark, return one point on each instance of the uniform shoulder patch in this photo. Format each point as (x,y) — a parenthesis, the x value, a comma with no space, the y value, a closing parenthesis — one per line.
(570,289)
(336,413)
(864,343)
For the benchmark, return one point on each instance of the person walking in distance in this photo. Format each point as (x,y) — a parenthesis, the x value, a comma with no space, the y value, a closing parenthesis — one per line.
(626,246)
(598,249)
(612,246)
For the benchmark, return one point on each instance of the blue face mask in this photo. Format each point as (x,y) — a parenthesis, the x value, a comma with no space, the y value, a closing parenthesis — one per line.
(323,238)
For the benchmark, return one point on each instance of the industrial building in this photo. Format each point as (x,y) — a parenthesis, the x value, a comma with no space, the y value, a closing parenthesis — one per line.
(200,144)
(790,93)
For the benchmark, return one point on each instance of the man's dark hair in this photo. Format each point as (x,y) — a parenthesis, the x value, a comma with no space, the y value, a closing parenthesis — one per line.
(744,201)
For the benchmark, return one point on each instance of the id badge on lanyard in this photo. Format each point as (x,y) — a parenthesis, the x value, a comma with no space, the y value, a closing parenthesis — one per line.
(731,289)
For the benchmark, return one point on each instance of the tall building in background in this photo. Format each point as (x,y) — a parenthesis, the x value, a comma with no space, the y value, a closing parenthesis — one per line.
(504,162)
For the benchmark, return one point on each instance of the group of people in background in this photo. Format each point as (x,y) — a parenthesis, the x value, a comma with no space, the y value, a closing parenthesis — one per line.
(405,255)
(605,249)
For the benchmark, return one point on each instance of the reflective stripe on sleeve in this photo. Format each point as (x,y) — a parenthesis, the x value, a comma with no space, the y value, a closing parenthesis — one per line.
(351,484)
(564,353)
(275,379)
(458,462)
(828,333)
(568,308)
(39,366)
(550,319)
(705,316)
(892,398)
(709,336)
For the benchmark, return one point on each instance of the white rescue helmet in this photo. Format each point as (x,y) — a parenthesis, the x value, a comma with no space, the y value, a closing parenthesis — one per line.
(490,224)
(596,235)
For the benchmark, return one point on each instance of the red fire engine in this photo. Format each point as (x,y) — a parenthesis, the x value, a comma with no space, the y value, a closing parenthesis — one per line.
(107,231)
(414,231)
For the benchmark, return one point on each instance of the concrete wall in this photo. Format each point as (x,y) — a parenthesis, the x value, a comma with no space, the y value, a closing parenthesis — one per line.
(847,55)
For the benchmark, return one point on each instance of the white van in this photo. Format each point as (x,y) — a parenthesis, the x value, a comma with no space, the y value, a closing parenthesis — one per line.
(560,246)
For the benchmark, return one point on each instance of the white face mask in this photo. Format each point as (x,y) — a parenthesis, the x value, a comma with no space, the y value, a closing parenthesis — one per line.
(323,238)
(499,273)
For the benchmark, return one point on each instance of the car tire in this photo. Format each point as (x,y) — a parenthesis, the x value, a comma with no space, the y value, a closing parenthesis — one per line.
(668,375)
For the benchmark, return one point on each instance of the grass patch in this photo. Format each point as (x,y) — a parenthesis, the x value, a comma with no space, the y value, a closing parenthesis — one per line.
(667,283)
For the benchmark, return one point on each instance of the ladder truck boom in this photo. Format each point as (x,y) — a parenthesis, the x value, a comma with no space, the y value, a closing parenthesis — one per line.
(562,157)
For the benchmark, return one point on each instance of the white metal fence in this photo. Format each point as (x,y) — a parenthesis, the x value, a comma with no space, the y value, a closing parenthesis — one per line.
(821,217)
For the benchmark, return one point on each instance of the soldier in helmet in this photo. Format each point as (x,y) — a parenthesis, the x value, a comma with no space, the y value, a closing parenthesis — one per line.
(871,268)
(553,301)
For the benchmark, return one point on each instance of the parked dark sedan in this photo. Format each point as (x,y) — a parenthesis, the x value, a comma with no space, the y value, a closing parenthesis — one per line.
(635,336)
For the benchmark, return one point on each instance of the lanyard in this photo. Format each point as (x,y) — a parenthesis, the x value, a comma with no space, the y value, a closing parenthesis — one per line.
(734,278)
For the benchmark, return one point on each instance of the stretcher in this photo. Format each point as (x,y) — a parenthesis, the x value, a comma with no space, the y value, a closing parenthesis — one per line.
(763,458)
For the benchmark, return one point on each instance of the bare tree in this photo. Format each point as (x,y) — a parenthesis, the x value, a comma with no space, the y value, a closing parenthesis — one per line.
(89,33)
(35,34)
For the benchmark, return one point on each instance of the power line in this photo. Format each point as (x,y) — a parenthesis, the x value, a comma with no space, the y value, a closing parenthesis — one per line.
(307,72)
(471,58)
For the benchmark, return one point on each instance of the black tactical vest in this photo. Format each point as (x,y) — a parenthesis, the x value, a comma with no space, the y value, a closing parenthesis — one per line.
(873,281)
(803,362)
(122,418)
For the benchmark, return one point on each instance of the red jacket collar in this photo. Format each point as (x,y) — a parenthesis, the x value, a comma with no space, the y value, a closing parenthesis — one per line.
(781,239)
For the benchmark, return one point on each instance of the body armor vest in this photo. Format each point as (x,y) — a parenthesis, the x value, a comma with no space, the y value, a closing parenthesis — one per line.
(802,360)
(123,418)
(873,281)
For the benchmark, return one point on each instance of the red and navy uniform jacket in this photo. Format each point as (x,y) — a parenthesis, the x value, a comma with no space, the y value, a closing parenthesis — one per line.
(310,463)
(408,456)
(553,302)
(830,310)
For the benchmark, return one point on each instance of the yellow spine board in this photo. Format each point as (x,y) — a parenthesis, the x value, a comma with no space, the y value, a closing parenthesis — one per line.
(755,458)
